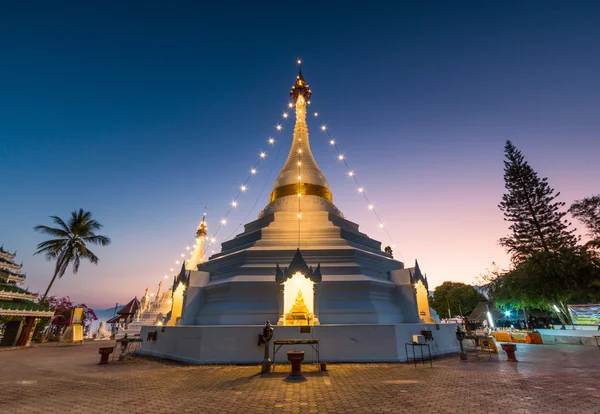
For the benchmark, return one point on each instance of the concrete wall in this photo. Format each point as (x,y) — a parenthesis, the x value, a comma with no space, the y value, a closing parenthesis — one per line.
(338,343)
(579,336)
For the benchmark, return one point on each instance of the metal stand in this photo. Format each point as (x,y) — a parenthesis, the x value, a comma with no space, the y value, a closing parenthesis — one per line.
(414,357)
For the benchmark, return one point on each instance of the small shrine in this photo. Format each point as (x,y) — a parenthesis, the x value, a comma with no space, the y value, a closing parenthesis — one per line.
(148,312)
(17,306)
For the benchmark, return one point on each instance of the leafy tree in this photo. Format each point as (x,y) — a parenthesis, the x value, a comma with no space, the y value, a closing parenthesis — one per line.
(587,210)
(70,243)
(537,222)
(461,298)
(549,279)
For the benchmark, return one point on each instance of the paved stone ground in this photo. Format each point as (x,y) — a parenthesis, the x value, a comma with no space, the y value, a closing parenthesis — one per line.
(548,379)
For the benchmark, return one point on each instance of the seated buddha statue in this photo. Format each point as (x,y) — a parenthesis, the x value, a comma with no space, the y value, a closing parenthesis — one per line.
(299,314)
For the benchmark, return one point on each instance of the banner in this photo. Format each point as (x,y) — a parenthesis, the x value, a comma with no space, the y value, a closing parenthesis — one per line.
(585,314)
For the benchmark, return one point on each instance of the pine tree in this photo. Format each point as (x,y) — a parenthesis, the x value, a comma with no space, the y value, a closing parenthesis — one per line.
(587,211)
(537,222)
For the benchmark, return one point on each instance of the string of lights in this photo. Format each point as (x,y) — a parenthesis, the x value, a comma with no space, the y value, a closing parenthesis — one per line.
(235,202)
(260,194)
(352,174)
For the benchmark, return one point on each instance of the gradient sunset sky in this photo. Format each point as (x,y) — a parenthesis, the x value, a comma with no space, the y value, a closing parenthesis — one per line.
(144,112)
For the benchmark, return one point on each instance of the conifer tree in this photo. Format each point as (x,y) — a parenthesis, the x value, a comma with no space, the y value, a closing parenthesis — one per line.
(587,211)
(537,222)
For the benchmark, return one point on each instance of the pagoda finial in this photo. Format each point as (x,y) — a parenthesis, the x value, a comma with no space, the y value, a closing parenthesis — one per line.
(300,87)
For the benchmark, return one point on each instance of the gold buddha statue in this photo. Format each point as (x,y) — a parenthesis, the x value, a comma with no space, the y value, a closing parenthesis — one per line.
(299,314)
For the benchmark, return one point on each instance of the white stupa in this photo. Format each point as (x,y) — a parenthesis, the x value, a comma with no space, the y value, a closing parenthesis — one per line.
(300,263)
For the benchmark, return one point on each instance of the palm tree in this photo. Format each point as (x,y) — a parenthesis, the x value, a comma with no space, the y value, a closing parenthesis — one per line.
(70,243)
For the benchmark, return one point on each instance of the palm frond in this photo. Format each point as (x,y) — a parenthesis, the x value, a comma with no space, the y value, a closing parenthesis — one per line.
(94,239)
(61,223)
(52,231)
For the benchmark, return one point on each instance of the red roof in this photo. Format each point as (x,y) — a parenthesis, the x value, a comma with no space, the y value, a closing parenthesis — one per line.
(131,308)
(115,319)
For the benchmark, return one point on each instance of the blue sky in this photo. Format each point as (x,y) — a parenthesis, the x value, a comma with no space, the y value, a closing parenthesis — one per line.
(146,111)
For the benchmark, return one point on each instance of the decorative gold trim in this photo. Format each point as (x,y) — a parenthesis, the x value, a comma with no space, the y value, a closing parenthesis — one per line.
(302,188)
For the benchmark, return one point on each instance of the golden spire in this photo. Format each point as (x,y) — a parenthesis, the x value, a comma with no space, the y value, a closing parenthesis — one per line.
(300,176)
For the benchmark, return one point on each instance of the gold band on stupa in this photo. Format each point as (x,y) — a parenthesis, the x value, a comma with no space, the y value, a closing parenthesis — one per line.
(301,188)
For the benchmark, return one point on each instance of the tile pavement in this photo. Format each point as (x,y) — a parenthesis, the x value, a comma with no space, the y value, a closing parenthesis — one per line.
(548,379)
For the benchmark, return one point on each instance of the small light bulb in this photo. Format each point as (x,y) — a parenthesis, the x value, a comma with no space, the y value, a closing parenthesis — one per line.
(332,142)
(285,115)
(187,247)
(300,151)
(393,246)
(171,269)
(166,277)
(278,127)
(176,261)
(323,127)
(271,140)
(351,173)
(182,255)
(223,221)
(360,190)
(263,155)
(371,206)
(299,62)
(299,215)
(299,163)
(234,203)
(252,171)
(290,105)
(299,195)
(340,157)
(213,240)
(316,114)
(308,102)
(243,188)
(380,225)
(299,177)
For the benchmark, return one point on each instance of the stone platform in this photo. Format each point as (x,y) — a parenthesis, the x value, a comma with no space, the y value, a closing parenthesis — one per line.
(338,343)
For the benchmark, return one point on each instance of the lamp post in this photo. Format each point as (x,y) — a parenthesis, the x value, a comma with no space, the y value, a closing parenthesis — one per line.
(265,337)
(460,335)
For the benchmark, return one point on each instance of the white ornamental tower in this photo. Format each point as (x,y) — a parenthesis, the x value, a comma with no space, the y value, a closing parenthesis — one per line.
(301,263)
(197,255)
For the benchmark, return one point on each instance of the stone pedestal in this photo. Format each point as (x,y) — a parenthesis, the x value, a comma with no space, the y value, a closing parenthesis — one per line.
(296,358)
(104,353)
(510,350)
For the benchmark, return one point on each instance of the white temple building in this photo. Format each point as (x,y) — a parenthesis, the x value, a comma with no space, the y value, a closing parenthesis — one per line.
(300,263)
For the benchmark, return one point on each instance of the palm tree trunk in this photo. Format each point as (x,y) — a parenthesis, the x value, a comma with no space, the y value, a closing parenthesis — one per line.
(49,286)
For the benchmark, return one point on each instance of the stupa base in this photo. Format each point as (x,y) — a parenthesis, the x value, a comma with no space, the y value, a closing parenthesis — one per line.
(230,344)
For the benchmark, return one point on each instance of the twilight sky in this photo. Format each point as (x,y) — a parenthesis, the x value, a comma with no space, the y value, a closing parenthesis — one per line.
(145,112)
